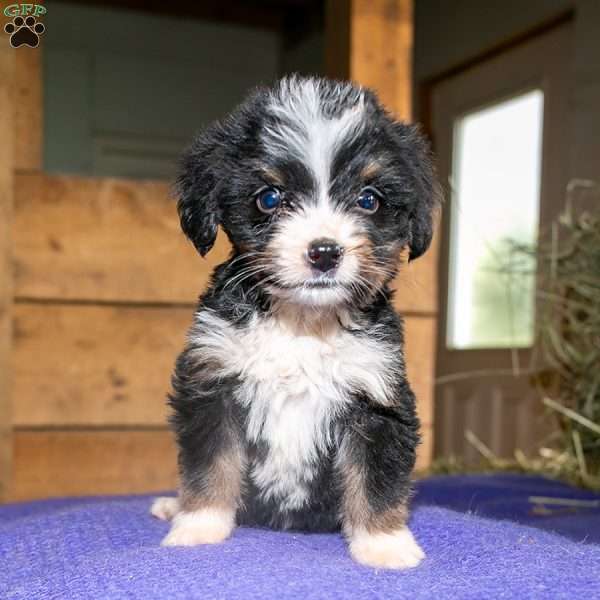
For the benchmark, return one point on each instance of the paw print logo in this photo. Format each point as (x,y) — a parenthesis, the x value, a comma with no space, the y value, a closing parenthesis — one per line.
(24,32)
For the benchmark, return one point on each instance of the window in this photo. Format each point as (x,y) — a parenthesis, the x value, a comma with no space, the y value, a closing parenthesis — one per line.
(495,204)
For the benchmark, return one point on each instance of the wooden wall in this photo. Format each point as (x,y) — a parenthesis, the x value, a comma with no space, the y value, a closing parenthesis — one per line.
(104,288)
(7,127)
(97,322)
(98,289)
(370,42)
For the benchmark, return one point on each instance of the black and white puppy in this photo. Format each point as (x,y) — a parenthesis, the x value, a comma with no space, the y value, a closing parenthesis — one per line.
(290,402)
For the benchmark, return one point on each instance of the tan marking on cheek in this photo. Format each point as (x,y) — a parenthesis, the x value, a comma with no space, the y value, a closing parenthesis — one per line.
(369,266)
(362,247)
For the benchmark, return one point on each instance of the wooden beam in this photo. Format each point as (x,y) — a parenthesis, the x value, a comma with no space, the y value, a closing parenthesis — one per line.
(425,450)
(77,463)
(420,337)
(416,286)
(28,109)
(7,73)
(89,462)
(103,239)
(370,42)
(381,51)
(111,365)
(100,239)
(94,365)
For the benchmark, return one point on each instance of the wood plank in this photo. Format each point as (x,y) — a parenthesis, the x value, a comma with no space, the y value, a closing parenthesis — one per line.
(420,339)
(416,283)
(29,110)
(94,365)
(377,36)
(79,463)
(370,42)
(111,365)
(104,239)
(425,450)
(72,463)
(380,57)
(381,38)
(7,67)
(108,239)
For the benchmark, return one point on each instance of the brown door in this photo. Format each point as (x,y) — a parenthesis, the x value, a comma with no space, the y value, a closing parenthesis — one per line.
(500,132)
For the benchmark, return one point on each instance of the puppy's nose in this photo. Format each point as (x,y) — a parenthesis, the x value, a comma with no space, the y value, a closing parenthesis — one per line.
(324,254)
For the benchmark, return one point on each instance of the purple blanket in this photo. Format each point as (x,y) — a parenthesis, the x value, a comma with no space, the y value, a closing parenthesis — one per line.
(481,538)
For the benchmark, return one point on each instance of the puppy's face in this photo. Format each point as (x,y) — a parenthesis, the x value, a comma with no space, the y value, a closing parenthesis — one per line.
(317,188)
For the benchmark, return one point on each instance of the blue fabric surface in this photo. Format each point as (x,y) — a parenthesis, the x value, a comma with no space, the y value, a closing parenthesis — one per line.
(479,532)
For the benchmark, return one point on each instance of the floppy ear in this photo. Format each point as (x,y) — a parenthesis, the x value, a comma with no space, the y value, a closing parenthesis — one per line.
(425,190)
(195,188)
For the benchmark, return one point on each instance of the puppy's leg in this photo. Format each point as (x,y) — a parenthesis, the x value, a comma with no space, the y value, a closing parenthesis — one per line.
(208,502)
(211,457)
(375,460)
(209,497)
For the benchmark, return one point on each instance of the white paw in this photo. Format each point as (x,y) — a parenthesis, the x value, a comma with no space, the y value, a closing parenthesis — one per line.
(165,508)
(204,526)
(394,550)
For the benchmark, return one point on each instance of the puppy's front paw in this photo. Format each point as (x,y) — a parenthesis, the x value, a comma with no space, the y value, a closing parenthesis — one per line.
(204,526)
(394,550)
(165,508)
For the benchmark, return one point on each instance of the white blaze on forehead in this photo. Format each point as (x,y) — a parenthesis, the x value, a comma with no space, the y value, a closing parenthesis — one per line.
(307,134)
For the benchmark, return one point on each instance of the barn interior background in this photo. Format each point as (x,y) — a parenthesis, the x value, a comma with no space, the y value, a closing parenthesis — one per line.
(97,284)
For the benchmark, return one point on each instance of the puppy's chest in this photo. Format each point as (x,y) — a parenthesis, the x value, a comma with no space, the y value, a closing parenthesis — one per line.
(295,387)
(294,383)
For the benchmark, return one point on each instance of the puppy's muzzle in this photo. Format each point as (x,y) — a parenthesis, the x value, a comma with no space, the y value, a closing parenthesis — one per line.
(324,254)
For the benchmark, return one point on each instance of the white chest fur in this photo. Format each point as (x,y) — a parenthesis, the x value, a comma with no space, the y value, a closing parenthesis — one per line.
(296,375)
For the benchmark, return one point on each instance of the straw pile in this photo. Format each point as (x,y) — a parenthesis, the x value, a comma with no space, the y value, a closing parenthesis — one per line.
(567,347)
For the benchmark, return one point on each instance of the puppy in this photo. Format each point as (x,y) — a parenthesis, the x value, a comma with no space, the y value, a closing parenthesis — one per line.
(290,402)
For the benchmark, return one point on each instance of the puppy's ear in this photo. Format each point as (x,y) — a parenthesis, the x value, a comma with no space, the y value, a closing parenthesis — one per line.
(196,190)
(425,190)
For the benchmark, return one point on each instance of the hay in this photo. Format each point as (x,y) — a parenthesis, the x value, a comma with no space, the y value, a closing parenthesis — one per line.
(567,343)
(569,332)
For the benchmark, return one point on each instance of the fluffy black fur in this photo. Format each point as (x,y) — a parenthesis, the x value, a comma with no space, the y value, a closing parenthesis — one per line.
(225,166)
(220,176)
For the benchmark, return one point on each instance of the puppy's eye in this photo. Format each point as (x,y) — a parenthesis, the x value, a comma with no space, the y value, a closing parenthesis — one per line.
(368,201)
(268,200)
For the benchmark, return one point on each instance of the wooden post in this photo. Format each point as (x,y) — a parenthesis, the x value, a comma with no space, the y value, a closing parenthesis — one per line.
(20,150)
(29,124)
(7,114)
(370,42)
